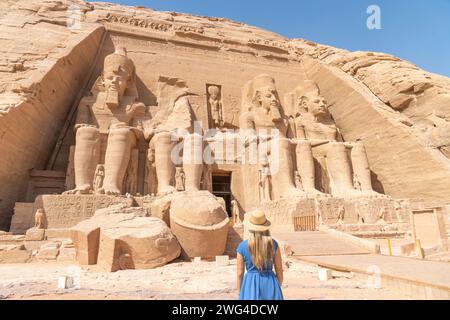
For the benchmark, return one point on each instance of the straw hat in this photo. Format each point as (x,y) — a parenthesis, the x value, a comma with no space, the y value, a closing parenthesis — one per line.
(257,221)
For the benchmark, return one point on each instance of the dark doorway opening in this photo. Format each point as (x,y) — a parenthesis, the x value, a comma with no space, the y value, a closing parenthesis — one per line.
(221,187)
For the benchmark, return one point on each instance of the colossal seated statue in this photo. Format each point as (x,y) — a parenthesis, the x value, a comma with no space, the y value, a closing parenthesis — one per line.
(113,110)
(315,128)
(109,110)
(262,118)
(172,140)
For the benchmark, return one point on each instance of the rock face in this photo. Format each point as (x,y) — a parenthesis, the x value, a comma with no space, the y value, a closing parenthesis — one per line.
(121,237)
(199,222)
(107,107)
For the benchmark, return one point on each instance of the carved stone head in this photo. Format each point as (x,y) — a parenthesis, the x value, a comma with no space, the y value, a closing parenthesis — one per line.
(265,94)
(214,92)
(118,75)
(308,99)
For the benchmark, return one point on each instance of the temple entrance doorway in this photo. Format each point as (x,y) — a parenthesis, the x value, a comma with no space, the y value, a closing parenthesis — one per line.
(221,187)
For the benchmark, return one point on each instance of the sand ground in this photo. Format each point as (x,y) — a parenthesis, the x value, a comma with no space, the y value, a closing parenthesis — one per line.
(177,280)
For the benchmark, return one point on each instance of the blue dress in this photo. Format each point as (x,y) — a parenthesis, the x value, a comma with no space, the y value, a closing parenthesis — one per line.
(258,285)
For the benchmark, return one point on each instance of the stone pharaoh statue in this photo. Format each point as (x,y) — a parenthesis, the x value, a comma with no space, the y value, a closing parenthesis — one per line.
(110,111)
(262,114)
(316,129)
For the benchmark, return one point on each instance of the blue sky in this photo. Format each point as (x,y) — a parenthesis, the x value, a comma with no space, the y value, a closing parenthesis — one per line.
(415,30)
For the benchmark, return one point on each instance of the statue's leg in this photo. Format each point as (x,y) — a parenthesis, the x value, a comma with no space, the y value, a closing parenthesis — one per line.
(118,153)
(193,161)
(86,158)
(339,170)
(305,166)
(165,167)
(361,168)
(282,169)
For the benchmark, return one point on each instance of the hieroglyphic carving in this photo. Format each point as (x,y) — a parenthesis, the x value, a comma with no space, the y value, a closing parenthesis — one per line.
(64,211)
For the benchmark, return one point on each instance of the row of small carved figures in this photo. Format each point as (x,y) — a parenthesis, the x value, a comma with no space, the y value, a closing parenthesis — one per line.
(143,23)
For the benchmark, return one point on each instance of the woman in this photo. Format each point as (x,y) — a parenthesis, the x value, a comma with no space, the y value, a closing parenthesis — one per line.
(259,254)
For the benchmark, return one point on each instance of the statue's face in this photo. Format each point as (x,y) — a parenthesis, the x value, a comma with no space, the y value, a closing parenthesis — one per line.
(116,80)
(315,104)
(268,98)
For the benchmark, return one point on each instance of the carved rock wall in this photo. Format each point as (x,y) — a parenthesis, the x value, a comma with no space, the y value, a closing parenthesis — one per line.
(404,166)
(44,64)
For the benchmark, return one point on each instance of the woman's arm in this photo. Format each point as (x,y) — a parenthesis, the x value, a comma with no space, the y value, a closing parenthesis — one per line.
(240,271)
(279,266)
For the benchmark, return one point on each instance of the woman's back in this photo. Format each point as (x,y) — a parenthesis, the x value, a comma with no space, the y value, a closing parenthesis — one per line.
(244,250)
(259,284)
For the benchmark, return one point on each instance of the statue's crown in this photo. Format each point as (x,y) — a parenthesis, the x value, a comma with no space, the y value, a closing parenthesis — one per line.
(306,86)
(263,80)
(118,59)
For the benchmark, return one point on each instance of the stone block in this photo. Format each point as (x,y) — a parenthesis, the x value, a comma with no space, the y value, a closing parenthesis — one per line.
(23,217)
(67,254)
(222,261)
(139,243)
(67,210)
(65,282)
(15,256)
(34,234)
(57,233)
(86,242)
(325,274)
(10,247)
(48,254)
(34,245)
(160,208)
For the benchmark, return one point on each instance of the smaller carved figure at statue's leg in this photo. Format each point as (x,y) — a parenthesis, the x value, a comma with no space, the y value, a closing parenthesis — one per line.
(86,158)
(121,140)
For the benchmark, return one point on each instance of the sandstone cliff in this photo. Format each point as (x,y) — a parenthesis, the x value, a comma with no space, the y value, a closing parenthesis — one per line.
(51,52)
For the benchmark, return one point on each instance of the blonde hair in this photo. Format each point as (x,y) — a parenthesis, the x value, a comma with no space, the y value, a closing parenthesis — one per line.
(261,247)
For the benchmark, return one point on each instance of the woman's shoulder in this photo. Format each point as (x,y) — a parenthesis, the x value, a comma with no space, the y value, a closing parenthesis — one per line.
(242,247)
(275,243)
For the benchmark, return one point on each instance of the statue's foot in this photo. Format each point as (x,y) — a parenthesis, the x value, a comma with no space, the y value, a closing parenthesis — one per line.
(112,191)
(100,191)
(83,189)
(373,194)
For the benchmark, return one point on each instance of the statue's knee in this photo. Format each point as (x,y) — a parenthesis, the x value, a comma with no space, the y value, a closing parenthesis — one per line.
(87,133)
(121,135)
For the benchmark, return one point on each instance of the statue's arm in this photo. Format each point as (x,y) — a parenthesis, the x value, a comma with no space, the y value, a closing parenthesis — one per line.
(83,114)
